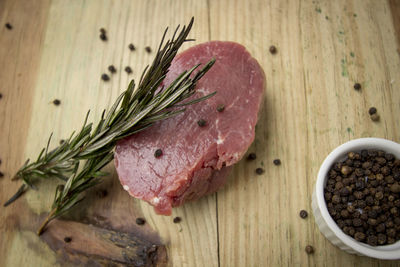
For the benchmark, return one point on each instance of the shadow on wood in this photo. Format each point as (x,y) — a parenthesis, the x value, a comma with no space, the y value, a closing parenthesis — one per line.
(99,231)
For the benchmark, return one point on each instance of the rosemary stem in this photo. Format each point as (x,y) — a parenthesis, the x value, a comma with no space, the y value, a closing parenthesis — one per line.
(46,221)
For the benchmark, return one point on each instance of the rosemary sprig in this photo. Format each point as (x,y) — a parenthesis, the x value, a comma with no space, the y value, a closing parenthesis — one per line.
(79,160)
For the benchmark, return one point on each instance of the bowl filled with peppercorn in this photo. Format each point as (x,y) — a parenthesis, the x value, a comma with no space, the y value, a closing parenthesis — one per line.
(356,200)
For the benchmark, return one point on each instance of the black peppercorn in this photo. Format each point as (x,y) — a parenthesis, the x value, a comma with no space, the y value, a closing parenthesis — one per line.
(128,70)
(131,47)
(158,153)
(357,222)
(338,185)
(335,199)
(303,214)
(252,156)
(259,171)
(372,110)
(220,107)
(148,49)
(309,249)
(357,86)
(344,214)
(372,214)
(140,221)
(379,195)
(272,49)
(395,188)
(375,117)
(391,232)
(105,77)
(389,157)
(346,170)
(112,69)
(351,209)
(381,239)
(103,37)
(380,228)
(56,102)
(67,239)
(9,26)
(359,236)
(177,220)
(372,240)
(277,162)
(201,123)
(344,191)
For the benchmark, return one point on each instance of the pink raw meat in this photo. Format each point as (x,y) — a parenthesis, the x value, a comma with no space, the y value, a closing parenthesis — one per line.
(196,160)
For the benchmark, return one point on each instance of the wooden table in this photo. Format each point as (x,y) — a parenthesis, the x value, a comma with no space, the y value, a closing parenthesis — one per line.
(324,47)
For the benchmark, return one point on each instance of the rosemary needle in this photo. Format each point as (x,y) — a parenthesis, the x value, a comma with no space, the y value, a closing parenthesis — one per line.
(78,161)
(19,193)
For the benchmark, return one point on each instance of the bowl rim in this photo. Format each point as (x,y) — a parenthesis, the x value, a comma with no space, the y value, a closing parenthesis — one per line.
(389,252)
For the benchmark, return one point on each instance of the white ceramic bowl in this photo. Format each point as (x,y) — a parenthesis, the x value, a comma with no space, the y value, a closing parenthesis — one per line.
(327,225)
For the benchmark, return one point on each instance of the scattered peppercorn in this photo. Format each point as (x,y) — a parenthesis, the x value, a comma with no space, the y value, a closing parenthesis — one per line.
(56,102)
(128,69)
(277,162)
(201,123)
(309,249)
(9,26)
(112,69)
(62,141)
(372,110)
(1,96)
(303,214)
(259,171)
(103,37)
(1,175)
(177,220)
(272,49)
(105,77)
(67,239)
(375,117)
(158,153)
(220,107)
(357,86)
(148,49)
(362,196)
(140,221)
(252,156)
(131,47)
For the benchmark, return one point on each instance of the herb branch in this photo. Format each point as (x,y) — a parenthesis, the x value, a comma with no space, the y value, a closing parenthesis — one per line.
(78,160)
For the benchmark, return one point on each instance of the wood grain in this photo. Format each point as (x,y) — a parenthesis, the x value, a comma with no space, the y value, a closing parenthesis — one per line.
(20,50)
(310,107)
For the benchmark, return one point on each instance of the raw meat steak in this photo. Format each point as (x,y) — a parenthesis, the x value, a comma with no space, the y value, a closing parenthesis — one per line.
(196,159)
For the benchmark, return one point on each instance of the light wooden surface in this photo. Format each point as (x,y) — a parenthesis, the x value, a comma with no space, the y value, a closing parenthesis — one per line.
(324,47)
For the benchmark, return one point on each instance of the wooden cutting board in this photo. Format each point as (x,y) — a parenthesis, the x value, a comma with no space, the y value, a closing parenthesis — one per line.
(53,52)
